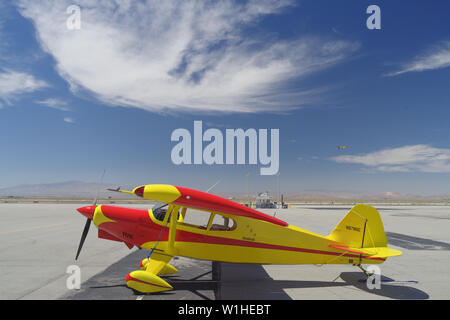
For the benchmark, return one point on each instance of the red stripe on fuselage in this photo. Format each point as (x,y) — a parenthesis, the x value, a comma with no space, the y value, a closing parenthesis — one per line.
(186,236)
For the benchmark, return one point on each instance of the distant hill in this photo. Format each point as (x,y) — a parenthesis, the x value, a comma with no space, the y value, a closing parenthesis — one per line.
(331,195)
(68,189)
(88,190)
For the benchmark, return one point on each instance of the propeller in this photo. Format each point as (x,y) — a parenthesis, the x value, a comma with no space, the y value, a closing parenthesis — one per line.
(83,237)
(88,221)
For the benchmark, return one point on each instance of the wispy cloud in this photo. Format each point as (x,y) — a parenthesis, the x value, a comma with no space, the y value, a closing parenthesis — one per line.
(54,103)
(437,57)
(69,120)
(191,55)
(421,158)
(14,83)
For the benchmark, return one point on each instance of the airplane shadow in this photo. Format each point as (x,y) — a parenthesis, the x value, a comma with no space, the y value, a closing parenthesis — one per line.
(227,281)
(394,291)
(252,282)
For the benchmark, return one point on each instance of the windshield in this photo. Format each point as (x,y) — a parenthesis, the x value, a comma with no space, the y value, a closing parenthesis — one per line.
(159,210)
(159,205)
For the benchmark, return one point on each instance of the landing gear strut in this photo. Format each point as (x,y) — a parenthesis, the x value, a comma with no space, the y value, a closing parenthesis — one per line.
(364,270)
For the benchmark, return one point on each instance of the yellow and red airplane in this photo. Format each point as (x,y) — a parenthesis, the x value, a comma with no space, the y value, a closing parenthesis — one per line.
(233,233)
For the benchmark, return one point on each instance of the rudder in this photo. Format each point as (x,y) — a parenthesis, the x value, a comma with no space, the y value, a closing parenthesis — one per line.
(360,228)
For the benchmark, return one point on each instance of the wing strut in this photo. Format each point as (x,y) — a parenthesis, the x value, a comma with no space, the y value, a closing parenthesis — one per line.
(172,230)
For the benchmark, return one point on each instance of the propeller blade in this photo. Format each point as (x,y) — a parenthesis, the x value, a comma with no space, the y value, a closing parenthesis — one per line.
(88,221)
(83,236)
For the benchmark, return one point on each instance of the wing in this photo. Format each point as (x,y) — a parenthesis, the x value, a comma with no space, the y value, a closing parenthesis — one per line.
(194,199)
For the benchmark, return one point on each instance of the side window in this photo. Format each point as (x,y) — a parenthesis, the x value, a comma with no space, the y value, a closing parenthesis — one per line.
(222,223)
(196,218)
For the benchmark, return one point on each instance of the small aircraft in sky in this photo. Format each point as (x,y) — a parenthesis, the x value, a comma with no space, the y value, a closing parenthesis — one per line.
(341,147)
(231,233)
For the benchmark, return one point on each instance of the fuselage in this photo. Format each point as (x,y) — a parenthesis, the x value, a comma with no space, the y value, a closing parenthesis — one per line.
(249,240)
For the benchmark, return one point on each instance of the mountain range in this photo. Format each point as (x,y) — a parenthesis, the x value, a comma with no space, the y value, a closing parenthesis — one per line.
(88,190)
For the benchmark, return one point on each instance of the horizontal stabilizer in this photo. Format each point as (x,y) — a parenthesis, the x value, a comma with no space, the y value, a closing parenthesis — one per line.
(375,252)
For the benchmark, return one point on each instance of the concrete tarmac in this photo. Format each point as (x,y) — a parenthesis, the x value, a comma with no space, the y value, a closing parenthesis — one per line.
(39,241)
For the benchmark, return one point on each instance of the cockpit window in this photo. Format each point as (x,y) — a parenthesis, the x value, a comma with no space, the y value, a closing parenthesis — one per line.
(160,213)
(222,223)
(196,218)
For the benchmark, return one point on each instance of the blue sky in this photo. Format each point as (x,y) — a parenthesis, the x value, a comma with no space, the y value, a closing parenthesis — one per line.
(108,96)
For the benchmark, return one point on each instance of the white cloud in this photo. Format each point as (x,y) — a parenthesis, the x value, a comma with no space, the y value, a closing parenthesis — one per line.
(421,158)
(55,104)
(13,84)
(69,120)
(191,55)
(436,58)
